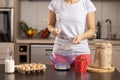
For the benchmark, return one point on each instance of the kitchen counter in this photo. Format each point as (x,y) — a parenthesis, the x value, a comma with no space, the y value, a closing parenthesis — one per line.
(48,40)
(51,40)
(51,74)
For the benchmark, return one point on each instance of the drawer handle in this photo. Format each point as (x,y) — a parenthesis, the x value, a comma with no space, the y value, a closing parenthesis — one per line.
(48,49)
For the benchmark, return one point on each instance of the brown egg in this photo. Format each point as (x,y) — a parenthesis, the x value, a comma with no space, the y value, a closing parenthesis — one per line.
(44,66)
(22,68)
(33,67)
(38,66)
(27,67)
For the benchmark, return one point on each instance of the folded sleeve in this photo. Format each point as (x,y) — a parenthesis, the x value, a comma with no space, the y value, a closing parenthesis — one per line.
(51,5)
(90,6)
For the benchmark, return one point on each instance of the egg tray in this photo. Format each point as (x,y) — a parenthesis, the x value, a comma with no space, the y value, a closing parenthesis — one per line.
(30,68)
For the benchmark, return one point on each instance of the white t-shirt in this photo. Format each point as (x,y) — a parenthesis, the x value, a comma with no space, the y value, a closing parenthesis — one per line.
(71,20)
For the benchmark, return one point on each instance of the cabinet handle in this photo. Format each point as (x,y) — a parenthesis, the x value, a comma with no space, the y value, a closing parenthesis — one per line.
(48,49)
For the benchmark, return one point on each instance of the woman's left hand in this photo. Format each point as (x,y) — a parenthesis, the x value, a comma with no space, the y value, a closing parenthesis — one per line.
(77,39)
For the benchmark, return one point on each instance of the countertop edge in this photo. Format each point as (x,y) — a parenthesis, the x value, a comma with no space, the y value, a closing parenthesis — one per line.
(51,40)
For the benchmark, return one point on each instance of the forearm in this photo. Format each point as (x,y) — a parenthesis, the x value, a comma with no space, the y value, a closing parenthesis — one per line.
(51,28)
(51,21)
(91,26)
(88,34)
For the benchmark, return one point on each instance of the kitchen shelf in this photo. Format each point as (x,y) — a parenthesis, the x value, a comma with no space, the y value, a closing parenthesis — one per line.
(22,53)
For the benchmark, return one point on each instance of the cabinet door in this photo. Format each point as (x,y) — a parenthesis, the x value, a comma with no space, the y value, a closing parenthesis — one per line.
(116,57)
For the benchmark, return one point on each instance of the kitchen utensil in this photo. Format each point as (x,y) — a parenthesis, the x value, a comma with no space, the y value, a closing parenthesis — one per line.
(62,62)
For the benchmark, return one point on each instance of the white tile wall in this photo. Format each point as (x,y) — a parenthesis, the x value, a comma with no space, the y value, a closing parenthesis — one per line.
(35,14)
(118,28)
(108,10)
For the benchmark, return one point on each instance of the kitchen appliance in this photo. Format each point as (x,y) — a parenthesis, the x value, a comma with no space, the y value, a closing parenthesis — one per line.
(6,20)
(41,53)
(6,24)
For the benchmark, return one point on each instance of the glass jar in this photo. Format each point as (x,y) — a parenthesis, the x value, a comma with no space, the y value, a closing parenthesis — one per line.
(9,62)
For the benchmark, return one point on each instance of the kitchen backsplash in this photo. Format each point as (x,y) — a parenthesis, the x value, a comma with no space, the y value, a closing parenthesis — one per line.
(35,14)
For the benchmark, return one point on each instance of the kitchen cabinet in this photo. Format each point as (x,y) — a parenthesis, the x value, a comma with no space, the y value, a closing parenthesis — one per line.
(3,50)
(33,53)
(42,53)
(116,57)
(22,53)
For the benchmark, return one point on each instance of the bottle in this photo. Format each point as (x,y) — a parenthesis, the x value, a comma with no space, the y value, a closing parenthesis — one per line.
(9,62)
(98,34)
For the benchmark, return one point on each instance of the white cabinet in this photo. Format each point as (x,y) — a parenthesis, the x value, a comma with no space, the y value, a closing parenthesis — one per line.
(3,50)
(116,57)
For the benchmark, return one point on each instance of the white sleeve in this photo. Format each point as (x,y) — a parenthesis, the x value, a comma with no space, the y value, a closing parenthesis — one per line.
(90,6)
(51,5)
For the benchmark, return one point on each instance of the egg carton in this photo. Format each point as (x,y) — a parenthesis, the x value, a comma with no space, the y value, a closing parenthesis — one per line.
(30,68)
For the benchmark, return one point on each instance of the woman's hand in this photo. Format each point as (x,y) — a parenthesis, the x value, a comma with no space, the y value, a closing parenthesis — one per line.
(55,31)
(77,39)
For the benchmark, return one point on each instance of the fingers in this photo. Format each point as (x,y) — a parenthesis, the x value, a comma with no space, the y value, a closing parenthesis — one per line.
(77,39)
(56,32)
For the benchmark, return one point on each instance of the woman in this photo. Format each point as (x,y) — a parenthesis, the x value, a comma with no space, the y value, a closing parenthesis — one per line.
(67,21)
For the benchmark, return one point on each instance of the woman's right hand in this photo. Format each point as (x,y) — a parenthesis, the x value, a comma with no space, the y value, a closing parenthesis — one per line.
(55,31)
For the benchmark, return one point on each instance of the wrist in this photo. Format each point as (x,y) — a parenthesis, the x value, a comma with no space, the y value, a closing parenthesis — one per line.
(82,36)
(51,28)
